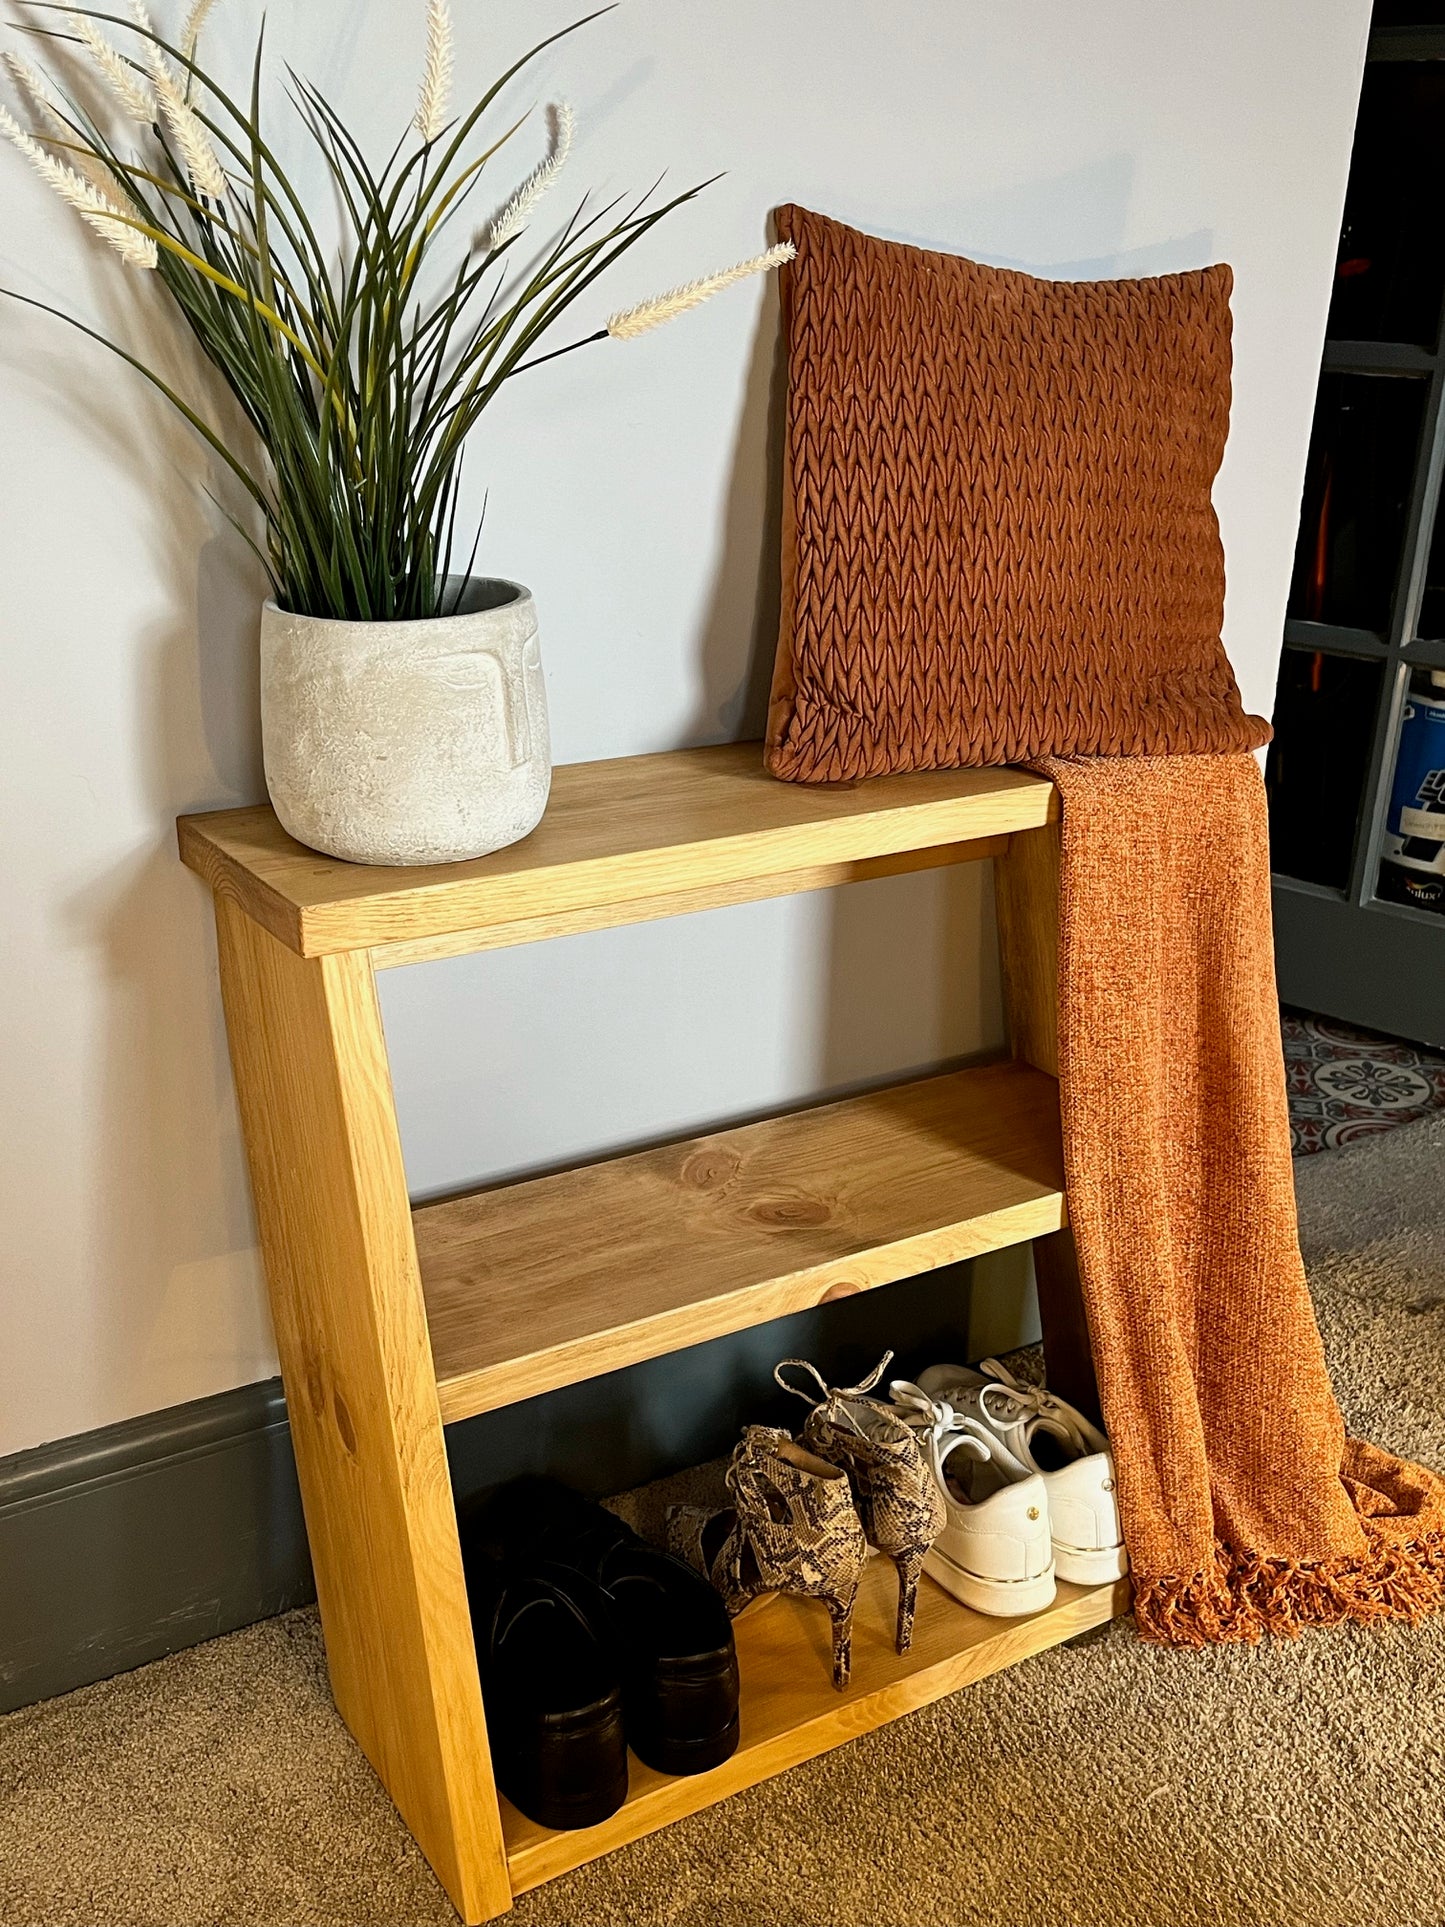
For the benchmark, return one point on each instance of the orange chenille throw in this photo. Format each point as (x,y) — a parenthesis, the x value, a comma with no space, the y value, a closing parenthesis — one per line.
(1246,1508)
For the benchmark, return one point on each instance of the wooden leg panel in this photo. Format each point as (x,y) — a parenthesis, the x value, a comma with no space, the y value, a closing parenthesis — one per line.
(1028,918)
(335,1224)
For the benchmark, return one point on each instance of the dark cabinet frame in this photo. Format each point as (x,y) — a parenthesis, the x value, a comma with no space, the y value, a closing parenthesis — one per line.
(1345,952)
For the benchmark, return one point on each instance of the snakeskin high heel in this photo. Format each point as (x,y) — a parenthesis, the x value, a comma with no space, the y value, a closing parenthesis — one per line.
(792,1529)
(897,1497)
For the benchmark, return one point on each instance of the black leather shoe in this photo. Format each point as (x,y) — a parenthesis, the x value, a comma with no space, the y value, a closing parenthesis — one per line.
(553,1692)
(674,1639)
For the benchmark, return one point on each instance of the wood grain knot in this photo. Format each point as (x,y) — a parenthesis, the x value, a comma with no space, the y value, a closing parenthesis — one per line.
(710,1168)
(344,1424)
(797,1209)
(841,1290)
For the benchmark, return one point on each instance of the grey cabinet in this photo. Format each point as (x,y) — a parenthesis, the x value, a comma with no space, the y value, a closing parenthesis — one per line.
(1356,774)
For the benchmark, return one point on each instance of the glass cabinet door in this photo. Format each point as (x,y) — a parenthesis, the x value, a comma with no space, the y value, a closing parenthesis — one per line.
(1356,772)
(1324,722)
(1391,268)
(1430,625)
(1358,478)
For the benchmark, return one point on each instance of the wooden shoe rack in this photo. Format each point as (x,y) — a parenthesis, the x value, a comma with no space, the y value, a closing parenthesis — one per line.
(393,1323)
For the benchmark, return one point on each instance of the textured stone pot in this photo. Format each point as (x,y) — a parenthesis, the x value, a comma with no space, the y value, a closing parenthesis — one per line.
(407,742)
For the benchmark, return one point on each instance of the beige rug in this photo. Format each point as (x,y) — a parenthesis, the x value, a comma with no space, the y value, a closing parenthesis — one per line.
(1108,1784)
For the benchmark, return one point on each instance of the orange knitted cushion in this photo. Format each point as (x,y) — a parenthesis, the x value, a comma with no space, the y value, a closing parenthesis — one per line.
(998,536)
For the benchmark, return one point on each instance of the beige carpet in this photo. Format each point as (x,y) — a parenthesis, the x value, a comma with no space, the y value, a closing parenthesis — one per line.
(1107,1784)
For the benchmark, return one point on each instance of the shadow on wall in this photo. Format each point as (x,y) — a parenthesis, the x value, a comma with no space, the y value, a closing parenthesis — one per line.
(179,1300)
(173,1215)
(1075,223)
(740,631)
(622,1430)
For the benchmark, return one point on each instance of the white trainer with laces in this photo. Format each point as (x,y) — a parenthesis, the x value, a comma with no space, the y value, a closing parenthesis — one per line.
(995,1552)
(1045,1436)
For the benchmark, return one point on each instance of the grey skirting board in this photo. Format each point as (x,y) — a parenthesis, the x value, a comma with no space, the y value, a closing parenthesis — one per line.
(122,1545)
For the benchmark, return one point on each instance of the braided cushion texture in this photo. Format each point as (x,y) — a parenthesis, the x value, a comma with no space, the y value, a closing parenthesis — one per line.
(998,537)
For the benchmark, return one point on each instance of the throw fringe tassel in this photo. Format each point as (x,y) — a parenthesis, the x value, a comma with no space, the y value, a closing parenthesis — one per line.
(1245,1596)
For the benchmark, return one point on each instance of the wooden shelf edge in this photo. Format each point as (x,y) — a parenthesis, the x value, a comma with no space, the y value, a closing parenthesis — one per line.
(679,903)
(229,880)
(604,892)
(620,838)
(470,1393)
(706,1236)
(978,1646)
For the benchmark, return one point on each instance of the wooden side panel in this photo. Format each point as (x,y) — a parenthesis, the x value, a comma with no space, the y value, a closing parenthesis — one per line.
(1028,917)
(1028,928)
(1067,1349)
(326,1168)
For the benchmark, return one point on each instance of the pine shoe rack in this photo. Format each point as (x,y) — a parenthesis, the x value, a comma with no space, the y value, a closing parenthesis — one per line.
(392,1323)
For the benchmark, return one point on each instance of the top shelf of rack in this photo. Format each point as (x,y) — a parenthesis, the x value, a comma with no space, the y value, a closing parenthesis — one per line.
(622,841)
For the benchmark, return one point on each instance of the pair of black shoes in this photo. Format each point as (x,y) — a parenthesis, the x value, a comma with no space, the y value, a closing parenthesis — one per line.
(590,1640)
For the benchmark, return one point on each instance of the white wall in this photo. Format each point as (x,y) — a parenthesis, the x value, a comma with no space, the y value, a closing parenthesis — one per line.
(628,487)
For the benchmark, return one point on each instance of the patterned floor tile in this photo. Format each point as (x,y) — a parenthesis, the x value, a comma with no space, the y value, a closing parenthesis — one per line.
(1345,1084)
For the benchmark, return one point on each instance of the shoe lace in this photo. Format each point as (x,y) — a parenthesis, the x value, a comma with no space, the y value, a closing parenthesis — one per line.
(1014,1395)
(935,1421)
(834,1397)
(1016,1399)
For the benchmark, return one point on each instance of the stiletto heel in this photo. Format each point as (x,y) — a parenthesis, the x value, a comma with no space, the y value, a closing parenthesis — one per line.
(840,1611)
(792,1529)
(897,1497)
(909,1567)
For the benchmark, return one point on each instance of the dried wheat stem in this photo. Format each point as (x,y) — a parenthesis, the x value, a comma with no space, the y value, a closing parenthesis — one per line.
(207,176)
(48,110)
(127,86)
(666,307)
(202,164)
(191,31)
(31,83)
(518,211)
(109,220)
(436,81)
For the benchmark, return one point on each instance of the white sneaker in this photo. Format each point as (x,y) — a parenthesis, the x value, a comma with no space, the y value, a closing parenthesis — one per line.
(1045,1436)
(994,1552)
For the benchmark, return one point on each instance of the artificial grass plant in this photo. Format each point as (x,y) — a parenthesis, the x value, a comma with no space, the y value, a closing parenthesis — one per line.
(361,368)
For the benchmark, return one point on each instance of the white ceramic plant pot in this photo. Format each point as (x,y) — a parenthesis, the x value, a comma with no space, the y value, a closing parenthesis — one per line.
(407,742)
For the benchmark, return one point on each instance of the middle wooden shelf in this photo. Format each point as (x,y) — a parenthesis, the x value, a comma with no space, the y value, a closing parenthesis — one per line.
(534,1285)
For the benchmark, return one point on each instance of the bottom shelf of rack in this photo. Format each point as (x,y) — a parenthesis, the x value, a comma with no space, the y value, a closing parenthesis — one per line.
(790,1710)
